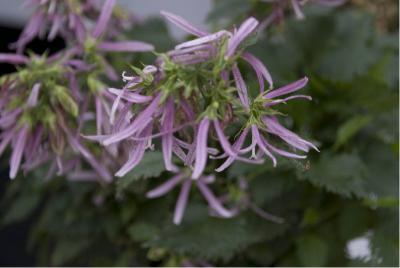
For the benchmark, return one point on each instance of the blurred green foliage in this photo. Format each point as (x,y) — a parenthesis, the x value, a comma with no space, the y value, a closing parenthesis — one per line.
(348,190)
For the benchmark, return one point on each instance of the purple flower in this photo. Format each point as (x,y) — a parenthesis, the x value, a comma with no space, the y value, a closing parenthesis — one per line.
(155,91)
(202,49)
(39,130)
(269,124)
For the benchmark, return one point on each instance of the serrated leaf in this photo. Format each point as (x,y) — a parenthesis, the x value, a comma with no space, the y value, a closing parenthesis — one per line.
(354,53)
(343,174)
(211,238)
(152,165)
(382,178)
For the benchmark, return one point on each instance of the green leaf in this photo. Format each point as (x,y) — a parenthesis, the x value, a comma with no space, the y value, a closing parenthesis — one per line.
(382,178)
(21,208)
(385,240)
(343,174)
(350,128)
(152,165)
(312,251)
(203,236)
(350,51)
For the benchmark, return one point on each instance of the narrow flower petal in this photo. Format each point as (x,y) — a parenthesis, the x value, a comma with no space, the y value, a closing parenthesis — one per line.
(115,105)
(183,24)
(80,30)
(278,101)
(104,18)
(274,127)
(179,152)
(98,138)
(137,154)
(137,125)
(241,86)
(33,96)
(299,84)
(74,86)
(165,187)
(167,139)
(99,115)
(260,142)
(260,70)
(18,150)
(225,143)
(125,46)
(244,30)
(134,159)
(236,146)
(283,152)
(201,148)
(13,58)
(55,27)
(32,147)
(203,40)
(8,119)
(182,202)
(227,147)
(88,156)
(30,31)
(213,201)
(190,50)
(297,10)
(130,96)
(109,70)
(185,145)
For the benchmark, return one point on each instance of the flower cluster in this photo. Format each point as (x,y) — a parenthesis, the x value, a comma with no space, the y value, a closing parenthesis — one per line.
(194,98)
(48,102)
(190,98)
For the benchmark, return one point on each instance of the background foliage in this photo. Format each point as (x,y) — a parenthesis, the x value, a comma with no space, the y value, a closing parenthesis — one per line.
(348,190)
